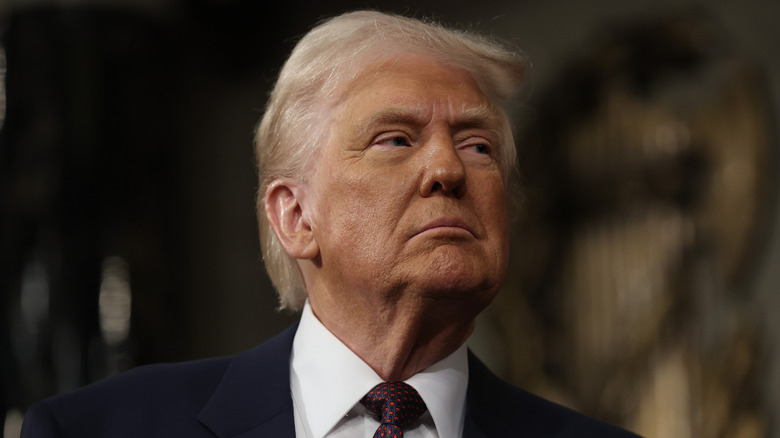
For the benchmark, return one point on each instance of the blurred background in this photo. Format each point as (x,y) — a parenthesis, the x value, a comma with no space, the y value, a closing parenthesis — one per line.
(646,252)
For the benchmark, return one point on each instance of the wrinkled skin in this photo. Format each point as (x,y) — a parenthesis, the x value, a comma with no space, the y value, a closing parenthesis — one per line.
(406,215)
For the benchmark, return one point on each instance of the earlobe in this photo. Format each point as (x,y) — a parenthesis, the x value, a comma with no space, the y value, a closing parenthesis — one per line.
(284,208)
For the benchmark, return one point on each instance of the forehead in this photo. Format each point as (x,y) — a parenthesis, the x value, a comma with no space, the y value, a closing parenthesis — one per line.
(415,87)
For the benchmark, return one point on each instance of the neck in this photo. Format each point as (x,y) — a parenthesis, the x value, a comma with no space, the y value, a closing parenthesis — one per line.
(400,338)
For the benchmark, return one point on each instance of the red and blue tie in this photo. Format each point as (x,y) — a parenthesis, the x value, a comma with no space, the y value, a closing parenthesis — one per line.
(397,404)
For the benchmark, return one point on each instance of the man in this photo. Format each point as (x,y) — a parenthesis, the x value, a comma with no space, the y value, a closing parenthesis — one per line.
(384,158)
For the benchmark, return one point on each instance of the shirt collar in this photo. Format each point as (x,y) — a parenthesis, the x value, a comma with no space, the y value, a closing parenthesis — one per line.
(332,378)
(443,388)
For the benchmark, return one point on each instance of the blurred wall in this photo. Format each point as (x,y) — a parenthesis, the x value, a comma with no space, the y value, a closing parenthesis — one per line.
(126,147)
(554,32)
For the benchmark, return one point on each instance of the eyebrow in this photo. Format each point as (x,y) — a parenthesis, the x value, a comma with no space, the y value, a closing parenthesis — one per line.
(483,116)
(393,116)
(480,117)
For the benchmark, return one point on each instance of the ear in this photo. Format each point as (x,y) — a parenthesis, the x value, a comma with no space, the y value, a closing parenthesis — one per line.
(285,211)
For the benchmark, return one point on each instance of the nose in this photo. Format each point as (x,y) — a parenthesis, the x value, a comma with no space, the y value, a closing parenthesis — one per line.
(443,170)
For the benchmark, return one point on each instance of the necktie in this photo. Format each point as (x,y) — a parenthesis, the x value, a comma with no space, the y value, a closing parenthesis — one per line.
(397,404)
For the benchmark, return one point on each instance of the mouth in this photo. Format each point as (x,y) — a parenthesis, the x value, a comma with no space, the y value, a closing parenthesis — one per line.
(446,226)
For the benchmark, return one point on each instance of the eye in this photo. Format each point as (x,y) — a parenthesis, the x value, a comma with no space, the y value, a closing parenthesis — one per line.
(397,141)
(394,141)
(482,149)
(478,148)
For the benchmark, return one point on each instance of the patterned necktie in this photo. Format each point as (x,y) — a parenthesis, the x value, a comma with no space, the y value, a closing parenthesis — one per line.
(397,404)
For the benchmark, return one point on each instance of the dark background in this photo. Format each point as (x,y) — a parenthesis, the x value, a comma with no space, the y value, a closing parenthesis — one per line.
(128,133)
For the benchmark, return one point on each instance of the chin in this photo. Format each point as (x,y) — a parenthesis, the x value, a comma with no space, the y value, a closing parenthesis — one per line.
(465,281)
(466,260)
(462,300)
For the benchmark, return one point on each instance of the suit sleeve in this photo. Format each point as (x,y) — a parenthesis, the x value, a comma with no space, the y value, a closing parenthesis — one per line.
(39,422)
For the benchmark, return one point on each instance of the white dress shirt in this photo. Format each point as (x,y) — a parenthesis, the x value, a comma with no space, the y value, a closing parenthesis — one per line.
(328,380)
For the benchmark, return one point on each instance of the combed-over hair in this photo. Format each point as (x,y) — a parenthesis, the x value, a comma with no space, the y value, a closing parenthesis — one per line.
(321,67)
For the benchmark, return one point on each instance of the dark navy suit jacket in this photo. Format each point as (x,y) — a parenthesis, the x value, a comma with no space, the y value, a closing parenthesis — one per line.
(248,395)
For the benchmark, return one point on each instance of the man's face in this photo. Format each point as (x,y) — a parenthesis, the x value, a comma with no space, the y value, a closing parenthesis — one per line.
(408,194)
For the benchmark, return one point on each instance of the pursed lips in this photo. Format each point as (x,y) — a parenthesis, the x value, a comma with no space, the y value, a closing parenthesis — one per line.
(445,223)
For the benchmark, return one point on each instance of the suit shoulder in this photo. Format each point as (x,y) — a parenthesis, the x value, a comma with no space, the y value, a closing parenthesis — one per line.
(144,394)
(502,409)
(39,421)
(186,380)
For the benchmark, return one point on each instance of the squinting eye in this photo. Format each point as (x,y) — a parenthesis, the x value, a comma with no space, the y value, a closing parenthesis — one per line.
(399,141)
(481,149)
(395,141)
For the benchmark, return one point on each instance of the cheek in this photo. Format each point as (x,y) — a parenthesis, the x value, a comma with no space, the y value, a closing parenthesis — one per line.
(358,210)
(496,219)
(494,207)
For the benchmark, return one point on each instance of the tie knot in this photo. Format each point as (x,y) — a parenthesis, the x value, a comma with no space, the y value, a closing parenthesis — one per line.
(396,403)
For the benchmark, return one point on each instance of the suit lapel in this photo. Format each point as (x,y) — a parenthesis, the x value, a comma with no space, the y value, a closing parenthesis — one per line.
(471,428)
(253,398)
